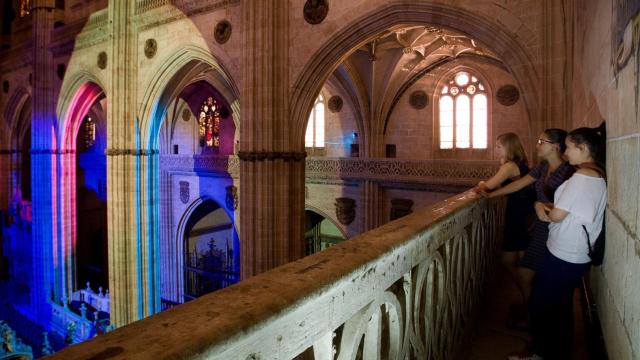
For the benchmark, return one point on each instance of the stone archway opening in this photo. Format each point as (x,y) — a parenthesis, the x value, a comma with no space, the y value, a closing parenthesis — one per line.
(91,200)
(320,232)
(392,23)
(209,251)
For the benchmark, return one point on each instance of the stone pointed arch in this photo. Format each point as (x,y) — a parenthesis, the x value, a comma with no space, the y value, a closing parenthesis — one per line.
(184,66)
(363,29)
(332,219)
(13,107)
(79,91)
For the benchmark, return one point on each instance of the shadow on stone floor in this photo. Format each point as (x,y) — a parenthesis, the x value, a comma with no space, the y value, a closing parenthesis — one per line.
(490,339)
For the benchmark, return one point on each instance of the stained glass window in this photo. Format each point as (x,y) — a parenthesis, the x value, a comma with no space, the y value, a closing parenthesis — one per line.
(463,113)
(89,132)
(25,8)
(209,126)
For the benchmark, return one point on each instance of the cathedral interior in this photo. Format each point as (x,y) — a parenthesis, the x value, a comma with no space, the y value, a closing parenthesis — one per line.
(291,179)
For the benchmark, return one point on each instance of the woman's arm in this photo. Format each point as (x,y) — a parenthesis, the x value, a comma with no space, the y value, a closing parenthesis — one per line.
(514,186)
(508,170)
(555,214)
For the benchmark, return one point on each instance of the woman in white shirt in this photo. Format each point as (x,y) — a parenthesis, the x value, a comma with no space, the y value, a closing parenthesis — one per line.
(579,201)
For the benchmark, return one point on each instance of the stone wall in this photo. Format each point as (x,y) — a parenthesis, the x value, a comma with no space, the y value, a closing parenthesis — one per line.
(598,93)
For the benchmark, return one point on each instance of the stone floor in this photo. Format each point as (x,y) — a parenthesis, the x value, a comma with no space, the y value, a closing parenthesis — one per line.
(491,339)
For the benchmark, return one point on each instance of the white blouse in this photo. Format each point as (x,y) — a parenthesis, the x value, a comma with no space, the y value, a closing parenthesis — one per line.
(584,198)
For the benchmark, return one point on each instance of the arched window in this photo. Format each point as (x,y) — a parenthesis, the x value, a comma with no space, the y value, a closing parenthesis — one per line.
(463,113)
(209,126)
(314,137)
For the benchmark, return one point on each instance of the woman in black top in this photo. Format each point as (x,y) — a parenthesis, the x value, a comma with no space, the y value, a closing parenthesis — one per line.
(519,204)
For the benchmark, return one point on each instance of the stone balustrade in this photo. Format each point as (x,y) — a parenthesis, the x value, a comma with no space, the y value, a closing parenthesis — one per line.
(62,318)
(441,172)
(404,290)
(99,300)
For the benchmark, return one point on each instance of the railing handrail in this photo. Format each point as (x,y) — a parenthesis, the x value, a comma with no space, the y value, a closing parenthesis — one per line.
(232,322)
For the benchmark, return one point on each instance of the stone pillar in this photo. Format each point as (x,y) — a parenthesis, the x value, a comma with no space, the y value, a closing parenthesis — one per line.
(131,264)
(557,34)
(46,285)
(272,161)
(372,198)
(5,178)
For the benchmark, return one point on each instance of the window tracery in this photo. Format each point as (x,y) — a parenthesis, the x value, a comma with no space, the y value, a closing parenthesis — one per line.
(463,113)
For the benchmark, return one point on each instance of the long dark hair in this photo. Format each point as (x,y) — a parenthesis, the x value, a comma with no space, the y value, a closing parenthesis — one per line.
(596,141)
(557,136)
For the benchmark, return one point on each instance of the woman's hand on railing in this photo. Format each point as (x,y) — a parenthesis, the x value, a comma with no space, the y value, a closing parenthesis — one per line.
(481,189)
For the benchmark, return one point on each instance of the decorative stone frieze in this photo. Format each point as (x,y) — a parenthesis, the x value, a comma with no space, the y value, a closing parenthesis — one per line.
(271,155)
(134,152)
(419,171)
(222,31)
(508,95)
(315,11)
(345,210)
(149,19)
(338,170)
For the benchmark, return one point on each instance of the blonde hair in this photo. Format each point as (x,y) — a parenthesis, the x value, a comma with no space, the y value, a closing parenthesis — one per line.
(513,147)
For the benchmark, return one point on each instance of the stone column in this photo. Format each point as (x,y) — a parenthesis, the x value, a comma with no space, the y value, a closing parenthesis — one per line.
(131,263)
(372,198)
(46,285)
(272,161)
(5,178)
(557,34)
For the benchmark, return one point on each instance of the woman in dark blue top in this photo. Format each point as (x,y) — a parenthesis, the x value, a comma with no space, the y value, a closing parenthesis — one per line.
(546,177)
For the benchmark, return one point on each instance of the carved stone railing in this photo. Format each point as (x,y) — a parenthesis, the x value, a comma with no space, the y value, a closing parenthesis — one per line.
(450,172)
(188,7)
(62,318)
(227,165)
(100,301)
(146,5)
(405,290)
(445,172)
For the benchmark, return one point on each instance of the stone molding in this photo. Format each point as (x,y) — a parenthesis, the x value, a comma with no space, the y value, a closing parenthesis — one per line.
(133,152)
(52,151)
(271,155)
